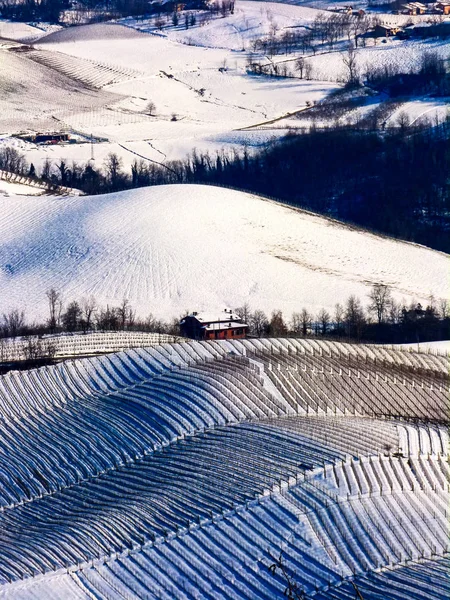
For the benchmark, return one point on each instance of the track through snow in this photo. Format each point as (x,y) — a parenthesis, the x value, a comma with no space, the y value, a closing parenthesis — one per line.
(172,248)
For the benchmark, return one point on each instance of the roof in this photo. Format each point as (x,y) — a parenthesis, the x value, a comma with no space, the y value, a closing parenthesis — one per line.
(414,5)
(220,316)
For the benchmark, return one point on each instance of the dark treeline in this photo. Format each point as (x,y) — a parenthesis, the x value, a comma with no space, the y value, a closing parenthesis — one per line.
(91,11)
(392,182)
(380,320)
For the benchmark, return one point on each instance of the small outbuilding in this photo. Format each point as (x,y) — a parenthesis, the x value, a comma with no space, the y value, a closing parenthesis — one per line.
(221,325)
(386,31)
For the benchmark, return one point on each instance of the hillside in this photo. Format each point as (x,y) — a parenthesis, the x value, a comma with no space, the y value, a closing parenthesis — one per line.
(184,470)
(101,78)
(207,88)
(184,247)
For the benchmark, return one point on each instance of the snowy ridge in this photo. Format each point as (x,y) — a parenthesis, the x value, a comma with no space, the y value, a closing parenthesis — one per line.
(148,245)
(173,469)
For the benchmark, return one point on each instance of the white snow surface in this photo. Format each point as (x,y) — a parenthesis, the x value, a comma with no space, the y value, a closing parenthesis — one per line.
(211,105)
(171,249)
(11,188)
(442,347)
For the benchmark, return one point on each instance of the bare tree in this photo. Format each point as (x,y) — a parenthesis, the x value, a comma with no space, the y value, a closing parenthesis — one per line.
(258,322)
(306,321)
(125,313)
(54,307)
(354,317)
(243,312)
(12,160)
(113,168)
(349,59)
(338,316)
(300,66)
(394,312)
(46,170)
(151,108)
(308,71)
(63,171)
(444,308)
(323,319)
(403,121)
(380,301)
(296,323)
(13,322)
(88,308)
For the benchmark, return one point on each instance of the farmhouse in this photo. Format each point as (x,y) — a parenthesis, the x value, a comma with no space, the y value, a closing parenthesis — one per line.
(213,326)
(45,138)
(386,31)
(414,8)
(443,7)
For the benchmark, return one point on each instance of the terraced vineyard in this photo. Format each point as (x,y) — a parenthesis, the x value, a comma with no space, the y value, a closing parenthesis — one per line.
(183,470)
(99,342)
(92,73)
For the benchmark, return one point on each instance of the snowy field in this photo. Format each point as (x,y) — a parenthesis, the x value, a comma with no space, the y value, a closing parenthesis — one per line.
(405,54)
(442,347)
(10,188)
(99,80)
(174,248)
(180,79)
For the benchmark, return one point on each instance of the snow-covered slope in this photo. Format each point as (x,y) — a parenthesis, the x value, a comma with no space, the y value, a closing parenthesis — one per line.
(174,472)
(207,88)
(172,248)
(36,97)
(442,347)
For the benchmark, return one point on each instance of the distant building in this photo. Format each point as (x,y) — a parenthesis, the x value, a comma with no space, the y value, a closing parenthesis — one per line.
(385,31)
(46,138)
(414,8)
(342,9)
(222,325)
(443,7)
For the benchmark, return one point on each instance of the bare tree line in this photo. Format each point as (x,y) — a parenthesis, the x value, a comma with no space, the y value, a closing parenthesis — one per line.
(382,319)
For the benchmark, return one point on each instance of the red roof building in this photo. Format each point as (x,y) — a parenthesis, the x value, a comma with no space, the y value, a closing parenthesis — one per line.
(222,325)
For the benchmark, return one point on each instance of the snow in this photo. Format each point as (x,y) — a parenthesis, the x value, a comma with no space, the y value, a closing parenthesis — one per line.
(193,478)
(171,249)
(433,110)
(216,317)
(442,347)
(36,97)
(11,30)
(17,189)
(206,87)
(100,78)
(250,21)
(404,54)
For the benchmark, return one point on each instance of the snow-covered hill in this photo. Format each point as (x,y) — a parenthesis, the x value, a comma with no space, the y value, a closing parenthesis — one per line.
(185,247)
(182,471)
